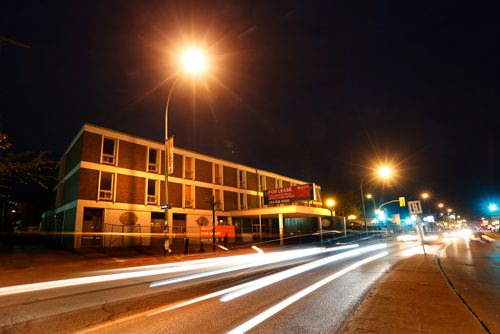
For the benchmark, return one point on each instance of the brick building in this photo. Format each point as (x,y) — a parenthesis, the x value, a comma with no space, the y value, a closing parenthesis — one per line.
(112,186)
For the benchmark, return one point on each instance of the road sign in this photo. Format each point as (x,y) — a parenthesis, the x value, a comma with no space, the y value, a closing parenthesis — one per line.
(414,207)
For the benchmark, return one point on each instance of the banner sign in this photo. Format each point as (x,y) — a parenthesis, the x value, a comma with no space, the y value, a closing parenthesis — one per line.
(170,155)
(304,192)
(220,231)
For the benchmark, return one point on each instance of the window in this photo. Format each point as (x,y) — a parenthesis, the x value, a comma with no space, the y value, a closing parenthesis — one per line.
(243,179)
(108,151)
(188,171)
(106,186)
(243,201)
(218,205)
(188,203)
(153,161)
(152,192)
(218,174)
(262,182)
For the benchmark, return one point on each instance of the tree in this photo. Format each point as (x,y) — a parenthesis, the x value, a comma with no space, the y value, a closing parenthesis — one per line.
(20,168)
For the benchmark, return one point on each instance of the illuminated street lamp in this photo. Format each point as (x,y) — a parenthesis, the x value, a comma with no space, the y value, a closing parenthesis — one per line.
(384,173)
(193,62)
(370,196)
(426,196)
(330,204)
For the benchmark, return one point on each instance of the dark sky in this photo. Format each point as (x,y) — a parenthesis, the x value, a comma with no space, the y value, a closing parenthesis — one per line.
(317,90)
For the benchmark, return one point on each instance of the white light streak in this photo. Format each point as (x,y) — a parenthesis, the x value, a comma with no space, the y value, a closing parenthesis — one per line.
(271,279)
(292,299)
(171,268)
(264,259)
(257,249)
(225,291)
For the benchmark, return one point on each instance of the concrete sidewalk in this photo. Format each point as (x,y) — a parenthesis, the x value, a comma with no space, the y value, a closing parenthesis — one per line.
(414,297)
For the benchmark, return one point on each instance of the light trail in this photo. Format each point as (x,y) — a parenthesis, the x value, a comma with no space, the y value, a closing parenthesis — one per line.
(247,284)
(292,299)
(265,259)
(274,278)
(172,268)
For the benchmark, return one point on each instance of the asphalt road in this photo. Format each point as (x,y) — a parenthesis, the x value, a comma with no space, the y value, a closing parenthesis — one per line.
(318,299)
(474,271)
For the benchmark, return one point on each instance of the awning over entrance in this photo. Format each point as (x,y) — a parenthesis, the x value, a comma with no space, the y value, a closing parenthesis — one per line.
(288,211)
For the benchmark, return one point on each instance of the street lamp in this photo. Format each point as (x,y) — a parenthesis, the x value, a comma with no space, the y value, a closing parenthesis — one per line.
(370,196)
(193,62)
(330,204)
(384,173)
(425,196)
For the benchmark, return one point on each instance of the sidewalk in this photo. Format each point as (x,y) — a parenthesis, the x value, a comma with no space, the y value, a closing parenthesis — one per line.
(414,297)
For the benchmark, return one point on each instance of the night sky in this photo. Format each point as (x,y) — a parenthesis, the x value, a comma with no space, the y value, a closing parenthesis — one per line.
(317,90)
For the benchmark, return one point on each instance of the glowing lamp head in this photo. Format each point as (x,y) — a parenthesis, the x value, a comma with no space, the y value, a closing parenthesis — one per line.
(385,172)
(369,196)
(425,195)
(493,207)
(194,61)
(330,203)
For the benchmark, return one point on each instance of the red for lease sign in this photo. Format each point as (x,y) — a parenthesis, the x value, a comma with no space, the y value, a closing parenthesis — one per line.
(220,231)
(291,194)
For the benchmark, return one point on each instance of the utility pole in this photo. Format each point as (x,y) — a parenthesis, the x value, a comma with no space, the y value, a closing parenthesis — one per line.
(213,203)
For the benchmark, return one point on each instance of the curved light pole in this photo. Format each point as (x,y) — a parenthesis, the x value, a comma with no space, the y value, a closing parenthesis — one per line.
(193,62)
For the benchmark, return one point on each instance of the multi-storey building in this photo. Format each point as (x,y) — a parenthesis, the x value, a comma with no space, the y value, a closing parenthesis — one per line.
(114,183)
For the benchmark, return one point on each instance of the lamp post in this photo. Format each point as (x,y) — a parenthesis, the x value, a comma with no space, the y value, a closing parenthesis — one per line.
(330,204)
(384,173)
(193,62)
(370,196)
(425,196)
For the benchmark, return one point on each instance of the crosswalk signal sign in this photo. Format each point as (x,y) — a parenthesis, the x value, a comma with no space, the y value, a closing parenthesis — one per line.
(402,202)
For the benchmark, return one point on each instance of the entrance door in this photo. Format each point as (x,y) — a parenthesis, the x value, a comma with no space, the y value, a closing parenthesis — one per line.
(92,228)
(157,228)
(179,224)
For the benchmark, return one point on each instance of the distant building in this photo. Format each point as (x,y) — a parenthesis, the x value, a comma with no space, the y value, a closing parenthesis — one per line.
(112,187)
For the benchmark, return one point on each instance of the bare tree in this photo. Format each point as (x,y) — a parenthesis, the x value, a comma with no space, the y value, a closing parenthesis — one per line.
(26,167)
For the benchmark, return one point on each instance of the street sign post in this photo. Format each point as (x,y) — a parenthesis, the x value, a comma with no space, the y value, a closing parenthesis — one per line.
(415,207)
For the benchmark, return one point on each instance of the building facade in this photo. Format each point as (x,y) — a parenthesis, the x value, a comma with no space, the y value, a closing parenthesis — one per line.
(112,185)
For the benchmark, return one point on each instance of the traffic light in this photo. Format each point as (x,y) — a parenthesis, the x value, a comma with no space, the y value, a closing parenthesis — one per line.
(402,202)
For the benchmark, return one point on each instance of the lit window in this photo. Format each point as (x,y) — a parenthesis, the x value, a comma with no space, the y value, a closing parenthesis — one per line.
(188,169)
(188,203)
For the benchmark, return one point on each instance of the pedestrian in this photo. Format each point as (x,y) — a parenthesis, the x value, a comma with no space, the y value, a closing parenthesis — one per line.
(166,246)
